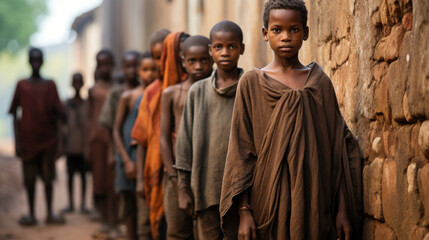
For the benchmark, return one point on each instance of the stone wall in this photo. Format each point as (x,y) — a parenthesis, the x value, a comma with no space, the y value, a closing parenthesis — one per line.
(376,52)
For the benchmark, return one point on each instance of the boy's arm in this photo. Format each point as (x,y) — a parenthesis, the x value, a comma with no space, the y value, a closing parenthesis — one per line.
(16,122)
(130,169)
(141,152)
(167,118)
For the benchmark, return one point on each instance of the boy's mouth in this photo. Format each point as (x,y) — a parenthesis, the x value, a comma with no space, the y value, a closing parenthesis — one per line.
(285,48)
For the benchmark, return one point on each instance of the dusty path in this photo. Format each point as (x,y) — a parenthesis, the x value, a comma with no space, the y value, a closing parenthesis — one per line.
(13,204)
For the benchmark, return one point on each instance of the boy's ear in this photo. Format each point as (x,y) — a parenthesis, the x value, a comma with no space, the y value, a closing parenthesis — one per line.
(242,49)
(265,34)
(182,58)
(306,33)
(210,50)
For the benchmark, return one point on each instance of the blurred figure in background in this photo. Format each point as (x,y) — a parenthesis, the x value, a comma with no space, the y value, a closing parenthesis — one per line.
(36,110)
(76,141)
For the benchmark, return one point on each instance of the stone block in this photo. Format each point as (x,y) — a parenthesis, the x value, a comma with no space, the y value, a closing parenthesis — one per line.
(384,12)
(407,21)
(394,10)
(412,178)
(383,232)
(381,97)
(424,193)
(426,237)
(415,139)
(389,193)
(423,139)
(380,71)
(377,145)
(342,52)
(396,84)
(418,233)
(388,47)
(372,181)
(407,113)
(405,5)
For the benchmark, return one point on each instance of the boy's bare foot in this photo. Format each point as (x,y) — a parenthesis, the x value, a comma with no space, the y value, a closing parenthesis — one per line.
(84,210)
(27,221)
(68,209)
(55,219)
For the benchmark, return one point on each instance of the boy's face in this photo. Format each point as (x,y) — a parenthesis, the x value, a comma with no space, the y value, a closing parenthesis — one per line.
(36,60)
(148,70)
(285,32)
(129,66)
(104,66)
(198,62)
(77,83)
(156,52)
(226,49)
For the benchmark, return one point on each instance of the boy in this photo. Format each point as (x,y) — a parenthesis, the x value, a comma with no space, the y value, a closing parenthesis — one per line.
(204,130)
(76,141)
(99,142)
(198,64)
(36,109)
(147,129)
(126,115)
(293,167)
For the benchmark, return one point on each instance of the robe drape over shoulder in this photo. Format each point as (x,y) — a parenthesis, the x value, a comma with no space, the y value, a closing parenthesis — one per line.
(293,151)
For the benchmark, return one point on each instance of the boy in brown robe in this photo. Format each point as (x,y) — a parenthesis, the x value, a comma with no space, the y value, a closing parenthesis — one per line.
(202,141)
(293,167)
(36,109)
(198,64)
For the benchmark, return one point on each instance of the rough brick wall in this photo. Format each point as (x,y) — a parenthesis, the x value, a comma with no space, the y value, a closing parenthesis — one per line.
(377,54)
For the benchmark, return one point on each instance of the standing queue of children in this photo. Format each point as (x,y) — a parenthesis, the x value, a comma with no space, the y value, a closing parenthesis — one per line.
(182,151)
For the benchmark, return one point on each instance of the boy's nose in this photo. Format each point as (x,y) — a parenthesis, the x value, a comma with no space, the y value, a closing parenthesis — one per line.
(286,36)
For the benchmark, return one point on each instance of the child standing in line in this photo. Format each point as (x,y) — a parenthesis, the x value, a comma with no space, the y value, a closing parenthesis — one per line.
(126,115)
(76,140)
(147,129)
(36,109)
(293,167)
(202,141)
(198,64)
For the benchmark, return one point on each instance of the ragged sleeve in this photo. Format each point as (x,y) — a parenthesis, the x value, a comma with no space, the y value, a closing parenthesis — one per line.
(15,100)
(184,137)
(241,157)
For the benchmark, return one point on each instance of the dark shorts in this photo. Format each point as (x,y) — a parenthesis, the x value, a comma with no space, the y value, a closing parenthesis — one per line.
(43,165)
(76,163)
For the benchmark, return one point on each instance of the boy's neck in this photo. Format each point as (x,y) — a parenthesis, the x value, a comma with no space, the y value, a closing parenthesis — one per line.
(131,83)
(228,75)
(35,75)
(288,64)
(77,95)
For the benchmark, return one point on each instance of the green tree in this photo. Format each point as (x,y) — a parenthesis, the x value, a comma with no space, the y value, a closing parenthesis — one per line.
(18,20)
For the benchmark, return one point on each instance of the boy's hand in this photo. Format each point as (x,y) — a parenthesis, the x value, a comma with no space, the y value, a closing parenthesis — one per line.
(130,170)
(247,227)
(344,228)
(185,202)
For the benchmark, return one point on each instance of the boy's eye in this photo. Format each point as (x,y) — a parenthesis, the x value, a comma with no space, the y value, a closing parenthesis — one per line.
(217,47)
(204,60)
(275,30)
(232,47)
(294,30)
(191,60)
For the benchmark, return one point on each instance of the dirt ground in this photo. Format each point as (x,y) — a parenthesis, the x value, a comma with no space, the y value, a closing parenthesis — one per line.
(13,203)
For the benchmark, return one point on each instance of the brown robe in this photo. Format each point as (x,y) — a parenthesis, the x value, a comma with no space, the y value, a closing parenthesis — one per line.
(293,151)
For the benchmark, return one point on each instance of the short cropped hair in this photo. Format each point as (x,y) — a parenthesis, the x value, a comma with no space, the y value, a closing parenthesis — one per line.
(106,52)
(196,40)
(145,54)
(34,50)
(133,53)
(298,5)
(77,74)
(227,26)
(158,37)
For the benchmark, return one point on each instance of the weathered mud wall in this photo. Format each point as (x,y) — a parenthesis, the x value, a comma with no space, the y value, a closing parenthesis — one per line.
(377,55)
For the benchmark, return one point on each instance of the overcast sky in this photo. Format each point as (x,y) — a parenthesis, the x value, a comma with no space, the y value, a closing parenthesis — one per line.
(55,27)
